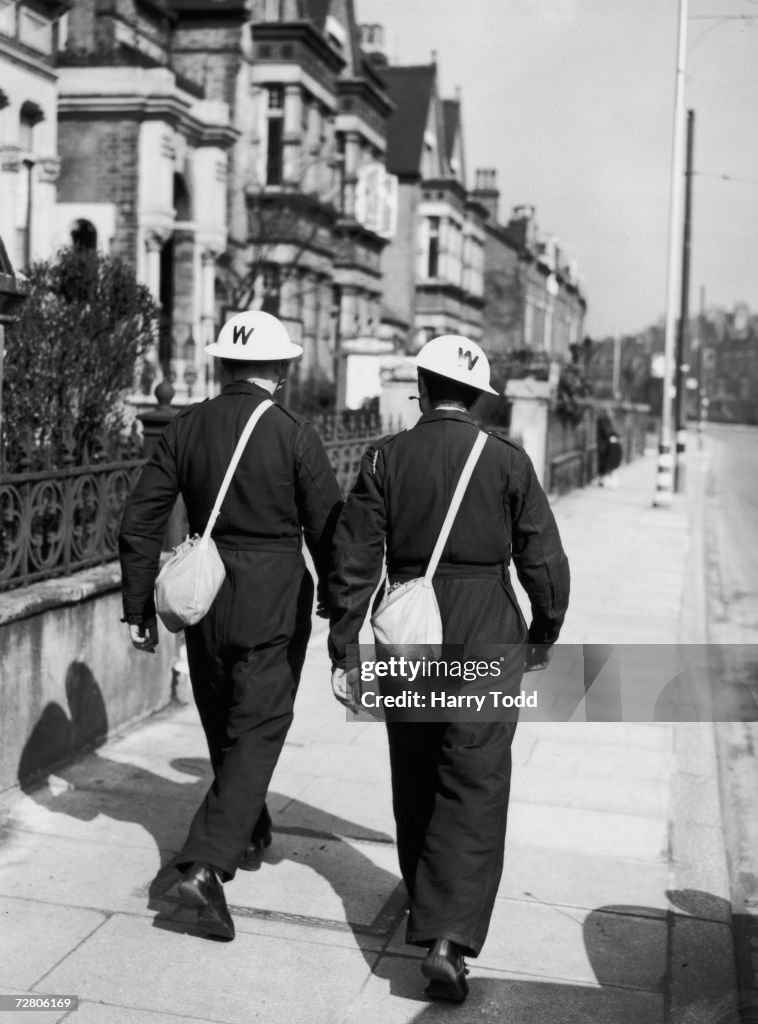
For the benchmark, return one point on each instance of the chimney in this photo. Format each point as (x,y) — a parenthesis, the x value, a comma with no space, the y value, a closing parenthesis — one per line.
(486,191)
(523,225)
(372,44)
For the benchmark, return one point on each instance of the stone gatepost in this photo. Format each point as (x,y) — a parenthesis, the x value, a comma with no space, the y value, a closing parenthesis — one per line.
(530,407)
(399,386)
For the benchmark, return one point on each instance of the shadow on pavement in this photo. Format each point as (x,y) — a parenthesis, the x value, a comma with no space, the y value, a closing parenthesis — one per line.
(164,806)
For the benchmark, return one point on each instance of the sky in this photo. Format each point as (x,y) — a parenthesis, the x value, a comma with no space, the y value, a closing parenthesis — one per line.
(572,102)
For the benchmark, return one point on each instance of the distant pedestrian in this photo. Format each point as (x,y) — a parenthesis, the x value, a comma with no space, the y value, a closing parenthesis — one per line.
(451,778)
(245,657)
(609,450)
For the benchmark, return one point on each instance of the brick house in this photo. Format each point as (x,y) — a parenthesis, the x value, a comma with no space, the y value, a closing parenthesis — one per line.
(143,172)
(29,159)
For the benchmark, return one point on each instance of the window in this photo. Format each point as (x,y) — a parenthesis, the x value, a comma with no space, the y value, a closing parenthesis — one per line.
(84,235)
(8,18)
(434,247)
(34,31)
(272,283)
(275,136)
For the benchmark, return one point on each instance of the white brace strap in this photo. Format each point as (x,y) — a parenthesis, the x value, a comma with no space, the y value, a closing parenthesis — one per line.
(455,504)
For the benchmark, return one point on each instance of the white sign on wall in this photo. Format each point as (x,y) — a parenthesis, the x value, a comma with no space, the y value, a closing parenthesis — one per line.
(376,194)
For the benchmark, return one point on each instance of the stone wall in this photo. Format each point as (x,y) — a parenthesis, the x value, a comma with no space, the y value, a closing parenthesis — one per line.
(68,673)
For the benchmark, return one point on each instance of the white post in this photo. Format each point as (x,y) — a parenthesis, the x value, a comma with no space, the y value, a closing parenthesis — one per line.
(665,473)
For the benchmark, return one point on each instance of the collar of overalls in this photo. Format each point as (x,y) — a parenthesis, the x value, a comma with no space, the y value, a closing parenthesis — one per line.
(446,414)
(244,387)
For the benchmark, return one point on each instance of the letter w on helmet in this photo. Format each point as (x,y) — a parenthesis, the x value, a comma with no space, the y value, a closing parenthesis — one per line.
(469,357)
(241,333)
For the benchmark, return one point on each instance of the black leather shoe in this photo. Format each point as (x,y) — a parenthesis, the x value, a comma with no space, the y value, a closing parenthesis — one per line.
(260,840)
(200,888)
(446,971)
(251,858)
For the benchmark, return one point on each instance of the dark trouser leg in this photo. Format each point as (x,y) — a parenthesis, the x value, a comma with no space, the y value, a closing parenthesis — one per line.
(257,692)
(259,717)
(460,865)
(414,754)
(212,697)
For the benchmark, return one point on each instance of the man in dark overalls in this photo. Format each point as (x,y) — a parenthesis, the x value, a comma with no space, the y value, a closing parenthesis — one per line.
(245,657)
(450,780)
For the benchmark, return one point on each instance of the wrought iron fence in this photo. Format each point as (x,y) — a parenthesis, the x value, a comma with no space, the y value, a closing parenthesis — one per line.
(57,521)
(346,436)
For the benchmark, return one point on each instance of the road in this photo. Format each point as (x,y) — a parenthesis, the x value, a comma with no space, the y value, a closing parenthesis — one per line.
(731,528)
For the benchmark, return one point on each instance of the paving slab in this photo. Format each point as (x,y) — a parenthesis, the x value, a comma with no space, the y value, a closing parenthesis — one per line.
(602,946)
(593,832)
(592,790)
(34,936)
(587,880)
(78,873)
(173,973)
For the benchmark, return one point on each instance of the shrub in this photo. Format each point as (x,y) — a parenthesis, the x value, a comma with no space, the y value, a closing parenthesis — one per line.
(73,354)
(573,391)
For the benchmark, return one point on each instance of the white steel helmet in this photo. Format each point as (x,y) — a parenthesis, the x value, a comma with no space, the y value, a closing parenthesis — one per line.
(254,337)
(458,358)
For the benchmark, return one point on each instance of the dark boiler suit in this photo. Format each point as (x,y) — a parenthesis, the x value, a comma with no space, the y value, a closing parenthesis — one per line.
(246,656)
(451,779)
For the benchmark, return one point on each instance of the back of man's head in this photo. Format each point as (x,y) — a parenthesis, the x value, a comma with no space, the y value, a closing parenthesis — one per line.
(443,389)
(236,369)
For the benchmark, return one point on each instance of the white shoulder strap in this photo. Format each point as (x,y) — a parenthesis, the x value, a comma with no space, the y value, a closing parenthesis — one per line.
(244,438)
(455,504)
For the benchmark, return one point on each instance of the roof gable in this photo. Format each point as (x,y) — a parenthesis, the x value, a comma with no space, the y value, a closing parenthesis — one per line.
(413,91)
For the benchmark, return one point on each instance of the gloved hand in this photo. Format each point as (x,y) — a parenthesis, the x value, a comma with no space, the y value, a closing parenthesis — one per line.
(537,657)
(144,636)
(344,687)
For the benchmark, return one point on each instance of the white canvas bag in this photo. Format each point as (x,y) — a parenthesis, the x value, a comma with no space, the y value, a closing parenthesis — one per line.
(189,581)
(408,615)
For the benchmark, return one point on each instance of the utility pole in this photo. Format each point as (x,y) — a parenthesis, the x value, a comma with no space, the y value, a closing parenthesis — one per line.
(700,368)
(664,483)
(680,398)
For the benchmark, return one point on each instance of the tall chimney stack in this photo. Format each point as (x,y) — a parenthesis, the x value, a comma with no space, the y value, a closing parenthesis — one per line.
(486,191)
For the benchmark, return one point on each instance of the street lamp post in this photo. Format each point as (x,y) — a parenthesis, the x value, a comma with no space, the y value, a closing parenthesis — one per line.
(680,398)
(664,485)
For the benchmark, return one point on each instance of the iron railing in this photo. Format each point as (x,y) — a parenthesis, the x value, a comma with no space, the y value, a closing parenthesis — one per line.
(57,521)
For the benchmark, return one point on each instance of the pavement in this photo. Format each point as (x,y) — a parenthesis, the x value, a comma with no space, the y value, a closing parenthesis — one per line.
(614,903)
